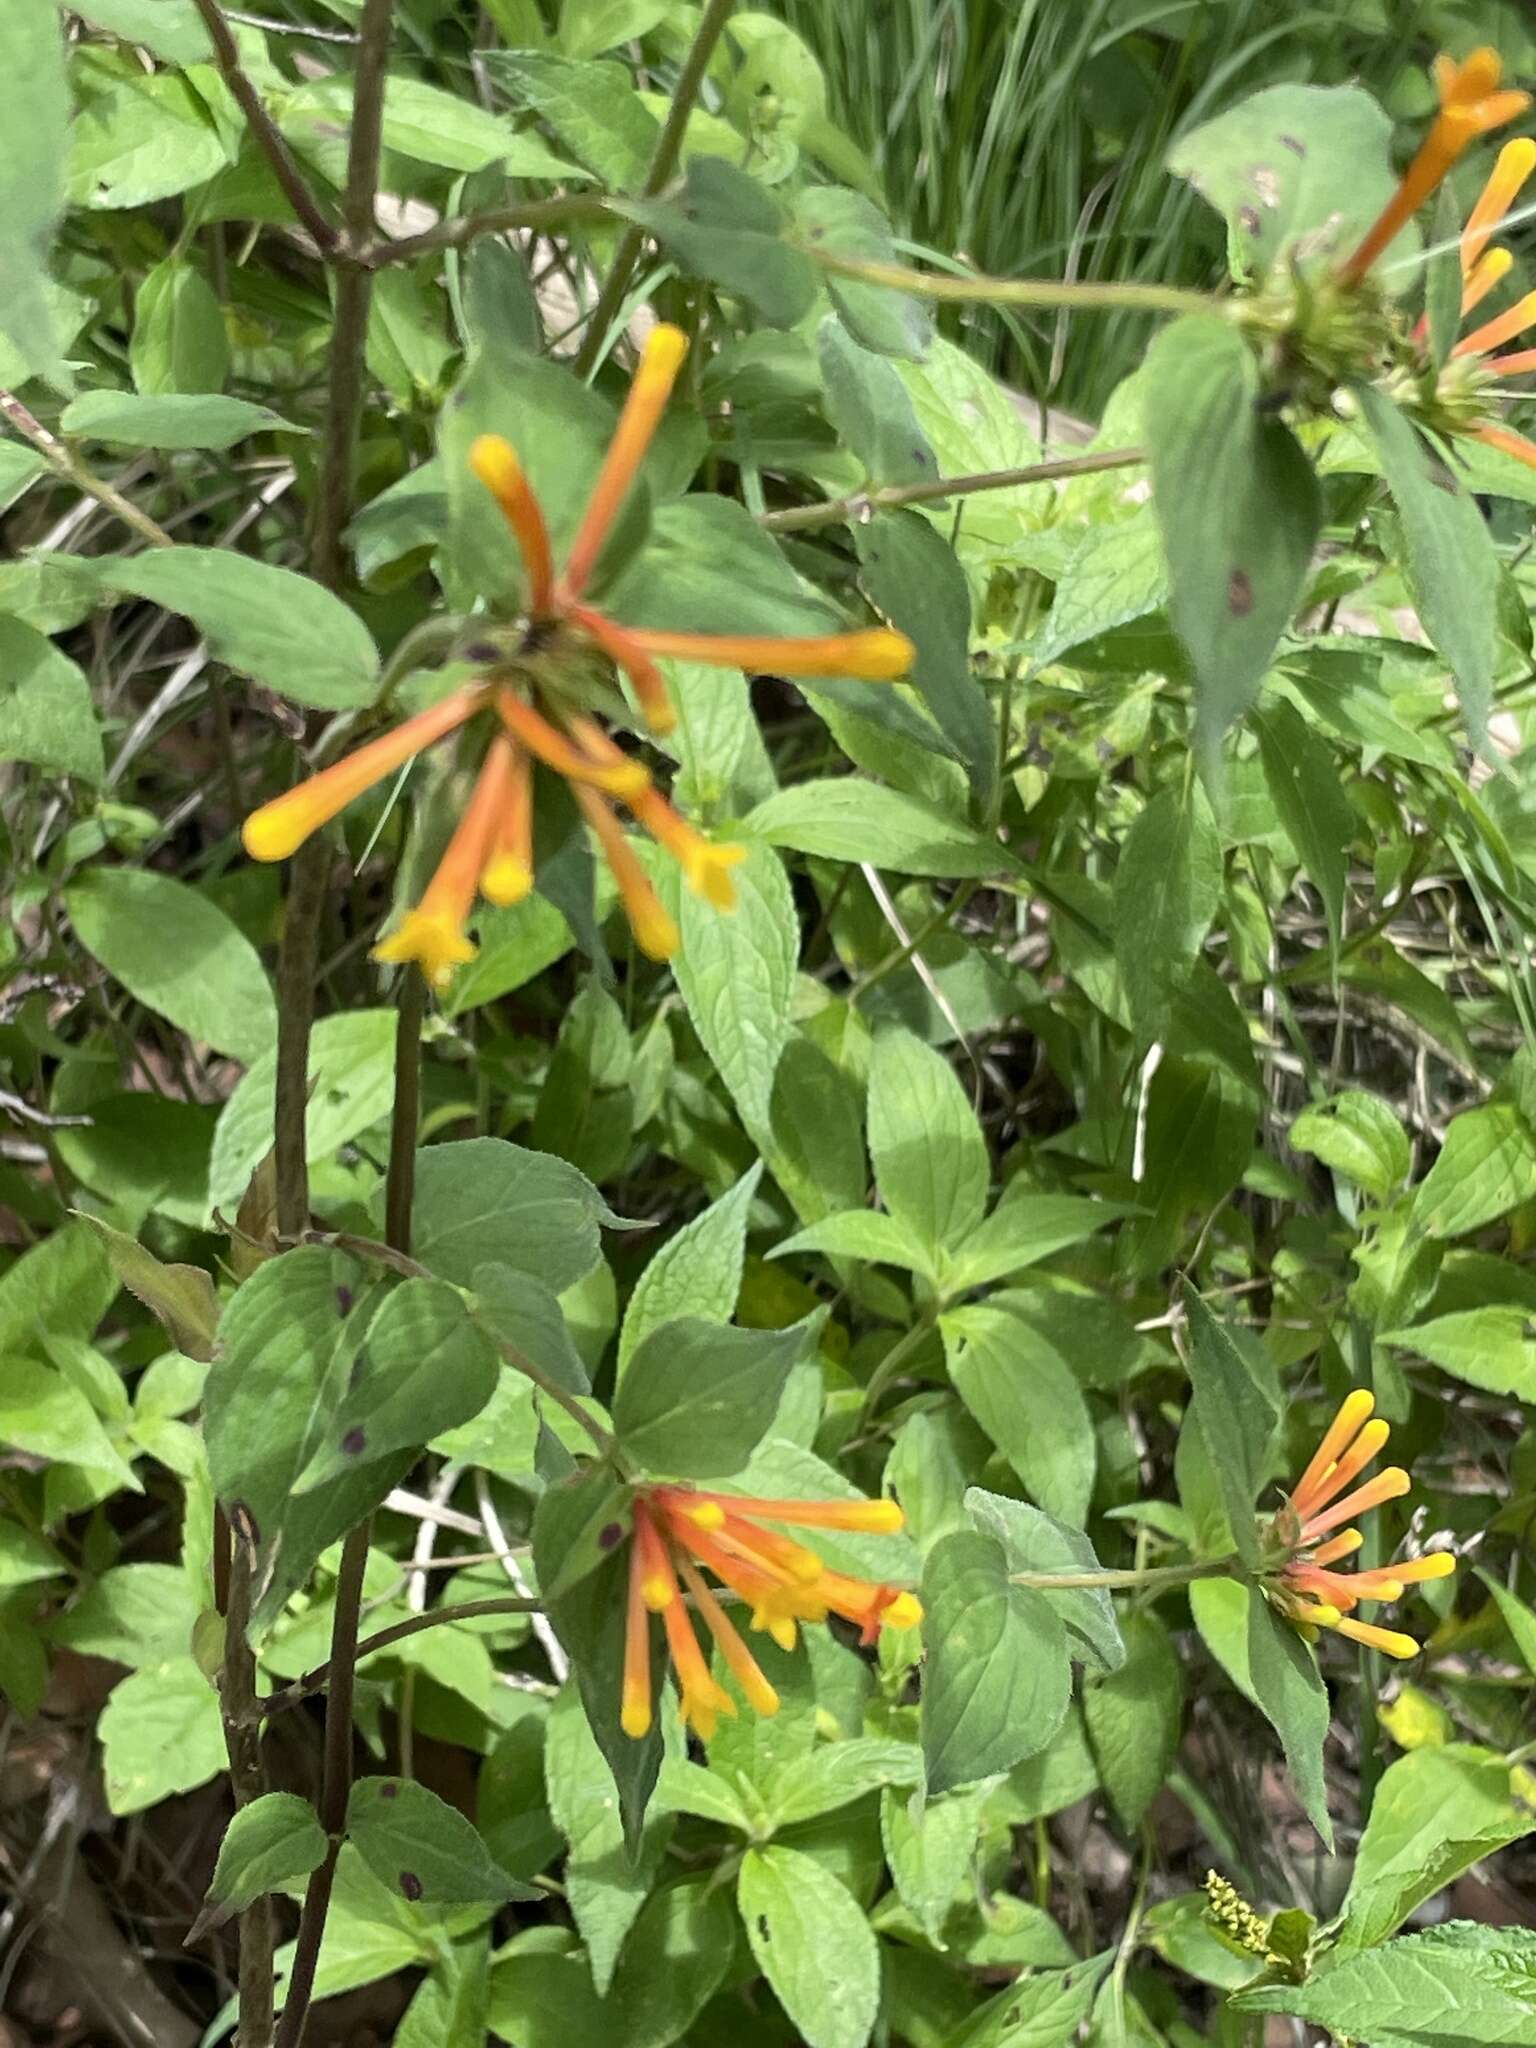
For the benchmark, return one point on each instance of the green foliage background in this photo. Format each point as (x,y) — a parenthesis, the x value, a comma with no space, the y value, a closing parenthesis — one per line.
(1119,952)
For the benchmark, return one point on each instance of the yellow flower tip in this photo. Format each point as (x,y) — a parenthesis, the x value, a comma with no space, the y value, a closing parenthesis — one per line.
(708,872)
(635,1713)
(905,1611)
(880,656)
(878,1517)
(706,1514)
(1435,1564)
(804,1564)
(433,940)
(657,1591)
(1385,1590)
(761,1696)
(506,880)
(780,1626)
(655,932)
(1389,1641)
(280,828)
(662,356)
(1322,1614)
(660,714)
(624,778)
(495,462)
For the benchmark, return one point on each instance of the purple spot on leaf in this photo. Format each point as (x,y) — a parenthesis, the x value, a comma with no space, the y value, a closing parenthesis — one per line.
(354,1441)
(610,1534)
(411,1884)
(1239,594)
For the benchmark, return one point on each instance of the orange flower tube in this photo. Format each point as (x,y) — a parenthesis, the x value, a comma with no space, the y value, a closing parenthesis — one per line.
(433,933)
(508,875)
(876,655)
(660,360)
(495,462)
(655,933)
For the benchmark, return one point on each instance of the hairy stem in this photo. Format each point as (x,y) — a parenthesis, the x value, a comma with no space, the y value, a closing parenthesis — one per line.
(264,129)
(63,460)
(354,293)
(536,216)
(400,1182)
(308,874)
(669,148)
(1151,1578)
(1015,291)
(858,504)
(300,1689)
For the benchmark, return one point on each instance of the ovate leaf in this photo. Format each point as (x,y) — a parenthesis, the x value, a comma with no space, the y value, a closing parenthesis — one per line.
(813,1944)
(698,1399)
(424,1849)
(269,1844)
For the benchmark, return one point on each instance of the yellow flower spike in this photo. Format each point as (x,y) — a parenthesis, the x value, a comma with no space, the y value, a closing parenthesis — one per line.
(1354,1412)
(1388,1485)
(1388,1640)
(660,360)
(508,874)
(1470,105)
(433,934)
(625,652)
(635,1699)
(495,462)
(702,1700)
(876,655)
(281,827)
(740,1662)
(1345,1544)
(881,1517)
(705,863)
(1515,162)
(1504,327)
(655,933)
(1407,1571)
(559,752)
(1349,1464)
(1488,271)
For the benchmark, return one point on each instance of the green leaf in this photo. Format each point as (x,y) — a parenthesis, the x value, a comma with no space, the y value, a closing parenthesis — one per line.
(284,630)
(172,29)
(25,1558)
(1268,1662)
(1356,1135)
(431,126)
(351,1086)
(726,228)
(1028,1402)
(1023,1229)
(698,1398)
(998,1678)
(1457,1986)
(869,407)
(913,578)
(594,109)
(805,1787)
(929,1155)
(32,159)
(523,1312)
(425,1849)
(588,27)
(1436,1812)
(136,1614)
(849,819)
(1298,172)
(930,1848)
(179,341)
(161,1733)
(1490,1347)
(46,713)
(169,420)
(136,139)
(267,1846)
(1442,277)
(1239,509)
(813,1944)
(1167,889)
(863,1234)
(180,1297)
(1236,1409)
(426,1368)
(1453,570)
(1485,1168)
(44,1413)
(697,1273)
(846,224)
(516,944)
(604,1888)
(1302,777)
(708,567)
(1135,1716)
(178,954)
(1517,1617)
(482,1202)
(737,976)
(65,1285)
(1117,573)
(1034,1541)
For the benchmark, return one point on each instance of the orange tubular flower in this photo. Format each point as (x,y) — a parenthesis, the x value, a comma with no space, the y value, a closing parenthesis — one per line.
(1305,1590)
(1471,104)
(539,725)
(678,1529)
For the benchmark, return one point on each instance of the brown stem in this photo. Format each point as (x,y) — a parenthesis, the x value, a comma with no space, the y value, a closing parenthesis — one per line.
(247,1777)
(538,216)
(335,1784)
(798,518)
(400,1180)
(307,877)
(669,148)
(354,293)
(63,460)
(300,1689)
(264,129)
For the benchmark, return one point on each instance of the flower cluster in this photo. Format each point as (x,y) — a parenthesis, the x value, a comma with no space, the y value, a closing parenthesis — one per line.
(526,718)
(1306,1590)
(782,1582)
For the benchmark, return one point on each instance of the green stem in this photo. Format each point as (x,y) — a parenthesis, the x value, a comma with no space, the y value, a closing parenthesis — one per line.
(891,1364)
(857,504)
(1015,291)
(664,161)
(1151,1578)
(63,460)
(247,1779)
(943,916)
